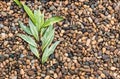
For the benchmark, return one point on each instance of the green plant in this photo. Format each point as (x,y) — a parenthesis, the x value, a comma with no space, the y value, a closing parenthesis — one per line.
(18,3)
(42,30)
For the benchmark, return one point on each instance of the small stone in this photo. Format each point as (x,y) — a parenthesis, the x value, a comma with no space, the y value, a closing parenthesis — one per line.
(43,75)
(77,78)
(2,58)
(66,2)
(100,40)
(10,35)
(13,28)
(11,12)
(112,22)
(91,78)
(52,8)
(3,13)
(90,19)
(94,42)
(102,75)
(103,50)
(6,28)
(14,77)
(62,31)
(1,25)
(79,40)
(21,55)
(22,72)
(5,43)
(31,72)
(27,61)
(3,35)
(73,68)
(113,68)
(82,77)
(88,42)
(47,77)
(105,57)
(55,75)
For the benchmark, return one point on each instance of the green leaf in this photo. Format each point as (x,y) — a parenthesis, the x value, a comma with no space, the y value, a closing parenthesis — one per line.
(47,37)
(28,39)
(42,31)
(52,20)
(49,51)
(30,13)
(34,30)
(18,3)
(39,19)
(26,29)
(34,50)
(48,30)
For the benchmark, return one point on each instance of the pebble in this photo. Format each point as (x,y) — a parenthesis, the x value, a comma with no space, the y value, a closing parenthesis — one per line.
(1,25)
(103,75)
(55,75)
(22,72)
(3,35)
(47,77)
(3,13)
(2,58)
(100,40)
(10,35)
(14,77)
(31,72)
(94,42)
(103,50)
(113,68)
(5,43)
(52,8)
(88,42)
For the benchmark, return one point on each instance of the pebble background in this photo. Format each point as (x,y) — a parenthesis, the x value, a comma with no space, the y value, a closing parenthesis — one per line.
(89,35)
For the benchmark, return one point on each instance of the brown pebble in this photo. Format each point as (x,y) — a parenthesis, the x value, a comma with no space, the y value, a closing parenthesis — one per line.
(102,75)
(22,72)
(55,75)
(5,43)
(47,77)
(31,72)
(3,36)
(27,61)
(94,42)
(88,42)
(10,35)
(113,68)
(66,2)
(82,77)
(103,50)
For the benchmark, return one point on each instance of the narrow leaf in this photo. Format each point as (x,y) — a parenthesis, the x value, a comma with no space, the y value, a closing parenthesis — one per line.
(42,31)
(52,48)
(26,29)
(49,51)
(18,3)
(28,39)
(34,30)
(47,40)
(30,13)
(39,19)
(49,29)
(34,50)
(52,20)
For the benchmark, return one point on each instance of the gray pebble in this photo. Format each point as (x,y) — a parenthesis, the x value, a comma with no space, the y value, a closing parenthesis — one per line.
(1,25)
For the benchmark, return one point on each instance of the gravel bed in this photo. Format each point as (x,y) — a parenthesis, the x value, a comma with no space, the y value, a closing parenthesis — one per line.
(89,35)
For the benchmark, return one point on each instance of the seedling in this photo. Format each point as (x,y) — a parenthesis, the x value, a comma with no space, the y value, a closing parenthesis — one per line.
(39,29)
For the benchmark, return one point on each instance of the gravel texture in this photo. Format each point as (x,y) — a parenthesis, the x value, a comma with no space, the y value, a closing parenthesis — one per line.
(89,35)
